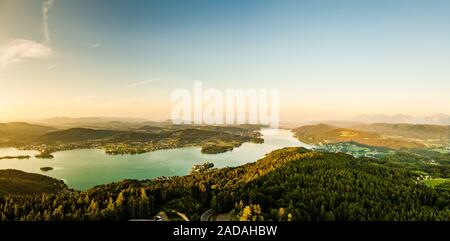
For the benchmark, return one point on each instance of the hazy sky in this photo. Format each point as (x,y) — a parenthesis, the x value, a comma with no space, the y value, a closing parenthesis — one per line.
(329,59)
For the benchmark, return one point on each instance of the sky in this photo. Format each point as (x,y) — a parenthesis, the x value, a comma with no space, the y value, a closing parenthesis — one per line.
(328,59)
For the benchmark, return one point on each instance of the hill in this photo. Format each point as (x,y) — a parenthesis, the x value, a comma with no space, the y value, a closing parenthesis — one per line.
(75,135)
(323,134)
(149,128)
(20,132)
(147,138)
(408,130)
(22,183)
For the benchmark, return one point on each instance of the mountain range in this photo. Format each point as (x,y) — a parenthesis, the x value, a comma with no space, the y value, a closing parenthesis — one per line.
(436,119)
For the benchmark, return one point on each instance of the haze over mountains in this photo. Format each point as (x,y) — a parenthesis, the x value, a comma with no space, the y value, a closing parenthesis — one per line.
(95,122)
(436,119)
(121,122)
(84,121)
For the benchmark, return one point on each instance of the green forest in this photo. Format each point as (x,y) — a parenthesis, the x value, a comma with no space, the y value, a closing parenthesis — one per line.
(292,184)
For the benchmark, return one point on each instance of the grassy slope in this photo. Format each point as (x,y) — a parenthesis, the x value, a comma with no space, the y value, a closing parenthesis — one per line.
(435,181)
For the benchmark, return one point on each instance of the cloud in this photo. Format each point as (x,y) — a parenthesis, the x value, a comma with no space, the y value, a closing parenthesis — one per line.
(141,83)
(46,5)
(51,67)
(19,50)
(95,45)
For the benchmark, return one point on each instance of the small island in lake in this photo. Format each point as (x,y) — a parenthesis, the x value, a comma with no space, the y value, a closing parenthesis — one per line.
(15,157)
(46,169)
(44,155)
(216,149)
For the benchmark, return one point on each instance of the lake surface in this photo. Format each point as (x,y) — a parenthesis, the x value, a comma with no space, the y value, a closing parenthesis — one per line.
(85,168)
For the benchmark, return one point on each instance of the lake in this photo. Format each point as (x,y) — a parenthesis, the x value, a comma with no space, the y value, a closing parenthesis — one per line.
(85,168)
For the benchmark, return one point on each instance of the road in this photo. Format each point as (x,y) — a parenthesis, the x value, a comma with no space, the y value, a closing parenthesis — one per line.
(182,215)
(207,215)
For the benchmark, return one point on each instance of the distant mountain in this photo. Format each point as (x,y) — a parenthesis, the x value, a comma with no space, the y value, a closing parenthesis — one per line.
(380,118)
(22,183)
(15,132)
(92,122)
(440,119)
(436,119)
(417,131)
(92,119)
(337,123)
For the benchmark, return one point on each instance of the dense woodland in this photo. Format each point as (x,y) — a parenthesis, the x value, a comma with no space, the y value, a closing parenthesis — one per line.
(288,184)
(23,183)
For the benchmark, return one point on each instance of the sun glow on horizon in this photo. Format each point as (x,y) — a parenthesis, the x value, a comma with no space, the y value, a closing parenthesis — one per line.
(330,60)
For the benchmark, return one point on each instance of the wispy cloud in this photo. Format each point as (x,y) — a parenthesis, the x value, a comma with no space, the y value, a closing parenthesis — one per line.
(46,5)
(19,50)
(95,45)
(51,67)
(142,82)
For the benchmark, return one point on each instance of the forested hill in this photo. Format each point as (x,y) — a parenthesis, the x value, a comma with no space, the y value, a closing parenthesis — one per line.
(393,136)
(75,135)
(326,134)
(17,132)
(288,184)
(22,183)
(137,138)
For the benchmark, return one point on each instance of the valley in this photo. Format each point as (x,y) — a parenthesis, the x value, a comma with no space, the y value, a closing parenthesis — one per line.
(334,175)
(293,184)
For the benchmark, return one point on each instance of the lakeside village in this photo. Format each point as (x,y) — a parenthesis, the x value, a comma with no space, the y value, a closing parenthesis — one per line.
(355,149)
